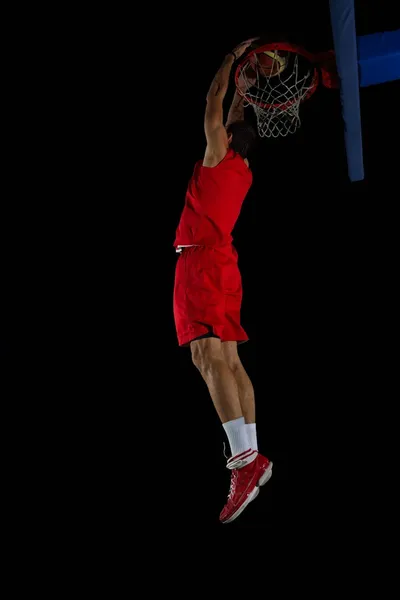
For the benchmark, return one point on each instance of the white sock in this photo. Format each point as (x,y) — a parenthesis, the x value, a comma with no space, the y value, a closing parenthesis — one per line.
(236,432)
(252,435)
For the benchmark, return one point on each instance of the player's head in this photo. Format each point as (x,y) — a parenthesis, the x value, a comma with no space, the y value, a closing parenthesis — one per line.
(242,137)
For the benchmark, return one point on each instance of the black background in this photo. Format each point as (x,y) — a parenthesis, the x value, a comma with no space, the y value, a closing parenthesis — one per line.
(128,438)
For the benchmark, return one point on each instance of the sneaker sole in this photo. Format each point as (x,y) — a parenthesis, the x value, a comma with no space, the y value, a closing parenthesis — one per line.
(253,495)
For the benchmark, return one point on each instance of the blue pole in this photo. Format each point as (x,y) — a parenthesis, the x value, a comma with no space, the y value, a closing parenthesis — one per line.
(345,40)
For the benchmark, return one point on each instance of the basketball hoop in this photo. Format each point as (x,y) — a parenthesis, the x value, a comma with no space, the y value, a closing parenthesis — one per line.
(275,79)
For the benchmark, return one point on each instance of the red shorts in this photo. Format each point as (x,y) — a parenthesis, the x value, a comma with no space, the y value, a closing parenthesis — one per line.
(208,294)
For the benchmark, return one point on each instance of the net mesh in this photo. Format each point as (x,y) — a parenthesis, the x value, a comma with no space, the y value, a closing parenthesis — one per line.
(276,97)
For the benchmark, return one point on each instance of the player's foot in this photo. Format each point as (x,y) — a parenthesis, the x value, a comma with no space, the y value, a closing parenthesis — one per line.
(249,471)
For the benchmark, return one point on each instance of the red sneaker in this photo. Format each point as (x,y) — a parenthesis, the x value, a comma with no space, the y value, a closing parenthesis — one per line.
(249,471)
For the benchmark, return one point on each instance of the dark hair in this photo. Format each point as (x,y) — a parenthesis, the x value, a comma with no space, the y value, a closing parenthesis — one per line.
(243,137)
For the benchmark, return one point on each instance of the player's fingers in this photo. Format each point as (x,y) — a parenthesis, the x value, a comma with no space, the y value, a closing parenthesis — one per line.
(251,40)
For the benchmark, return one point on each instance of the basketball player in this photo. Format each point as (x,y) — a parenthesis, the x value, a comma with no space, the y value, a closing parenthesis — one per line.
(208,291)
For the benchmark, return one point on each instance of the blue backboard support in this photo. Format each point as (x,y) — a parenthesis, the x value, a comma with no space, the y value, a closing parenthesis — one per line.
(379,57)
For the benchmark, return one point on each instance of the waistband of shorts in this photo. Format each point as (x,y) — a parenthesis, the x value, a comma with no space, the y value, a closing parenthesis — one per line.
(179,249)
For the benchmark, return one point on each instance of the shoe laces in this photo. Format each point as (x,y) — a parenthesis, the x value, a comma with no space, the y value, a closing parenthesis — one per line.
(234,479)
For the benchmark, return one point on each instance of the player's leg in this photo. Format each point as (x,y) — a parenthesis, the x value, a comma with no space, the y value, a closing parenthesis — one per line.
(245,389)
(246,478)
(243,382)
(257,469)
(234,332)
(208,357)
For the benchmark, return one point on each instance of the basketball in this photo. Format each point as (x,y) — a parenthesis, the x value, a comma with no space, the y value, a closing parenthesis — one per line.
(268,64)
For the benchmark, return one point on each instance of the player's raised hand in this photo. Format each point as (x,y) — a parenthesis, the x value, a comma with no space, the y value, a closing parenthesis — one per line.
(242,47)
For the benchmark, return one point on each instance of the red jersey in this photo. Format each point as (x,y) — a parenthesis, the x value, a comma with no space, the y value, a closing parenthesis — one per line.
(213,202)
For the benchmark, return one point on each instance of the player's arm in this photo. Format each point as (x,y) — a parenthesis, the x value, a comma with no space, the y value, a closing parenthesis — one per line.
(236,111)
(217,138)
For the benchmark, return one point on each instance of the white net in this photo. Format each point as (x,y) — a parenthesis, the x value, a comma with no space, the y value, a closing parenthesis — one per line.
(275,93)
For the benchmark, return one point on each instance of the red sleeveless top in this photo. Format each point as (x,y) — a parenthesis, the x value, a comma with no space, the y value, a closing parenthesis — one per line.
(213,202)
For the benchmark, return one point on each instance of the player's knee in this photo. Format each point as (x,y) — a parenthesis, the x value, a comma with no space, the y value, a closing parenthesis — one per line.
(200,358)
(231,356)
(234,363)
(205,353)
